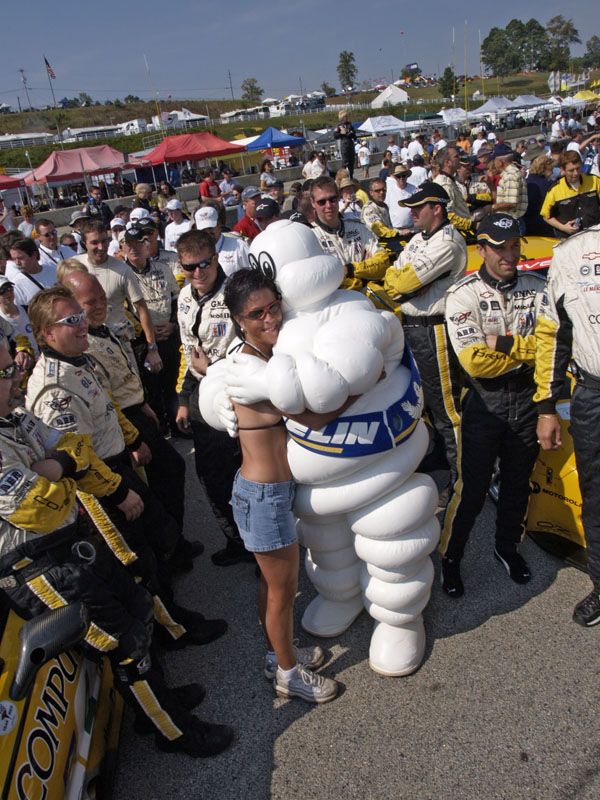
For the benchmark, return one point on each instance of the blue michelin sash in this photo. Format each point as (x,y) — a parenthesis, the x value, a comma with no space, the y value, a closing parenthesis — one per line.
(369,433)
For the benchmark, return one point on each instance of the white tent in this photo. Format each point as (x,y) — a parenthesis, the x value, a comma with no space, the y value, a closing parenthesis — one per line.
(391,96)
(379,125)
(453,115)
(524,100)
(494,104)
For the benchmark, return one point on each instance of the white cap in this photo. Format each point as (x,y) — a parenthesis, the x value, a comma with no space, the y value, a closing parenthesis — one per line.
(173,205)
(4,280)
(139,213)
(206,217)
(117,222)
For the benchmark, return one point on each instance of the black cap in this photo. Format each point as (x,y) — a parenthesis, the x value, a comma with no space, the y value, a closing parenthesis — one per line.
(429,192)
(502,150)
(267,208)
(135,234)
(497,229)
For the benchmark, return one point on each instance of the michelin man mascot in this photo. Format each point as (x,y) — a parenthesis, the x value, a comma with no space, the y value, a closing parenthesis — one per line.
(366,518)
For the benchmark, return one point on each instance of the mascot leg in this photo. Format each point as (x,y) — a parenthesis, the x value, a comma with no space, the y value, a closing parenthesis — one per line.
(394,537)
(334,570)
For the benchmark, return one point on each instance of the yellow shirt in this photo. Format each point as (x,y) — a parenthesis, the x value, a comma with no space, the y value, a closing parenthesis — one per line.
(562,191)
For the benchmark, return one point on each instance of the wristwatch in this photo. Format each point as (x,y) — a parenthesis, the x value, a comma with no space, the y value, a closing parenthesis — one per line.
(152,347)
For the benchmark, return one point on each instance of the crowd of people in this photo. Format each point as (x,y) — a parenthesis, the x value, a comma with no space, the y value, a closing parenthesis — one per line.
(108,330)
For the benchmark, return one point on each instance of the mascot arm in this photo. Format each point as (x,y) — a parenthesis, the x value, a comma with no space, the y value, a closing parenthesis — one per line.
(215,406)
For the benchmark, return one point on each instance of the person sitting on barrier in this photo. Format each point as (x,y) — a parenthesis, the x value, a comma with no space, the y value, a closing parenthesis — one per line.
(48,559)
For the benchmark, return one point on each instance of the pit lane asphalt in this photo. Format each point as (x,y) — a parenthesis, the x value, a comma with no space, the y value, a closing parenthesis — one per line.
(505,704)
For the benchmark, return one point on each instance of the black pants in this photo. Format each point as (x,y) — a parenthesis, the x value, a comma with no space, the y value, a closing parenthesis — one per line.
(441,379)
(585,430)
(166,471)
(121,614)
(507,432)
(160,387)
(348,157)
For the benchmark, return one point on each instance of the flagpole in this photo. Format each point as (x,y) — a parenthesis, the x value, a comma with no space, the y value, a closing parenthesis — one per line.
(50,81)
(155,98)
(58,130)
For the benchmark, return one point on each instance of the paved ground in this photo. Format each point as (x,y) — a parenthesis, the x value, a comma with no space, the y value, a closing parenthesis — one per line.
(504,705)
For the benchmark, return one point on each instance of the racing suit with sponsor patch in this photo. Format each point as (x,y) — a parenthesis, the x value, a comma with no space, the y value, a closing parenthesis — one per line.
(67,394)
(166,470)
(50,558)
(498,415)
(569,327)
(427,267)
(205,322)
(357,248)
(376,216)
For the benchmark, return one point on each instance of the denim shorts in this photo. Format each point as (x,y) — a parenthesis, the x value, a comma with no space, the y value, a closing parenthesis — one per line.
(263,514)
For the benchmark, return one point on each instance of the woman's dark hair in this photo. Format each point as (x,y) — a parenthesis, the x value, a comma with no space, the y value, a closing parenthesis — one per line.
(170,190)
(240,286)
(264,164)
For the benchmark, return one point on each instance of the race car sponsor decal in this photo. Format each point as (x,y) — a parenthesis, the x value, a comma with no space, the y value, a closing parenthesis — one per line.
(10,481)
(8,716)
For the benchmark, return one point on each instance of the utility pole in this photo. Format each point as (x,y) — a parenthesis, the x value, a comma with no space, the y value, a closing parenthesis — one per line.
(230,83)
(24,79)
(19,103)
(301,89)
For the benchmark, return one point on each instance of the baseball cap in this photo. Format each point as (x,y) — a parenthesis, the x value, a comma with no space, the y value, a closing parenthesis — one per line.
(135,233)
(173,205)
(428,193)
(502,150)
(250,191)
(206,217)
(267,208)
(117,222)
(139,213)
(497,229)
(4,281)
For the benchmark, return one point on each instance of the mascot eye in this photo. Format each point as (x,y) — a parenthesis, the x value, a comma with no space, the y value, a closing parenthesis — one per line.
(267,265)
(253,262)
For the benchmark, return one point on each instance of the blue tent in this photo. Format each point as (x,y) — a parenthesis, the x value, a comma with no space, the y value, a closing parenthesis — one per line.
(274,138)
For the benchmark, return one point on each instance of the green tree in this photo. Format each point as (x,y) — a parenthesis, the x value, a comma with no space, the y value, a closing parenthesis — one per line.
(561,34)
(328,89)
(85,99)
(536,45)
(498,55)
(447,83)
(591,56)
(347,70)
(251,91)
(132,98)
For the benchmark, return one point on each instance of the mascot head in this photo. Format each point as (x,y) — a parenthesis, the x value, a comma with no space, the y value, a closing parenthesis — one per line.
(290,253)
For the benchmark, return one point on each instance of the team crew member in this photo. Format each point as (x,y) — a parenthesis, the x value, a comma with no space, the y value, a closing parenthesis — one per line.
(41,539)
(351,241)
(491,317)
(160,290)
(573,202)
(166,469)
(206,332)
(375,214)
(448,161)
(431,262)
(569,327)
(231,248)
(67,394)
(121,286)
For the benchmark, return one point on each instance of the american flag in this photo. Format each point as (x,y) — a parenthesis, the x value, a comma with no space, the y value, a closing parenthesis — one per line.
(49,69)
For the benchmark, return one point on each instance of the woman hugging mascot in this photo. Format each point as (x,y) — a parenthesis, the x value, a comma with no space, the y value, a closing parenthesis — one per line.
(365,516)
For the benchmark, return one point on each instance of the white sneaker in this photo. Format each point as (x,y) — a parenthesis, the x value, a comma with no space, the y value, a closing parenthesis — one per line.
(306,685)
(310,657)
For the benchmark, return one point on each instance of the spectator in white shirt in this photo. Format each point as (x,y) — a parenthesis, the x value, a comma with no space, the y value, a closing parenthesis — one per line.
(51,252)
(33,276)
(177,226)
(226,187)
(26,227)
(398,189)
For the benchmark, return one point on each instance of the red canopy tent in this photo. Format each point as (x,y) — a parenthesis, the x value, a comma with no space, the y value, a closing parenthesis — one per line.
(71,165)
(191,147)
(10,182)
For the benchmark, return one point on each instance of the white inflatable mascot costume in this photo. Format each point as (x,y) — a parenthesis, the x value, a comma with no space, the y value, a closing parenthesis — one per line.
(367,519)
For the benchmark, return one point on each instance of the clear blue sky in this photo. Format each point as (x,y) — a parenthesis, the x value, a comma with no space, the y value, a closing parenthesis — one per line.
(190,44)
